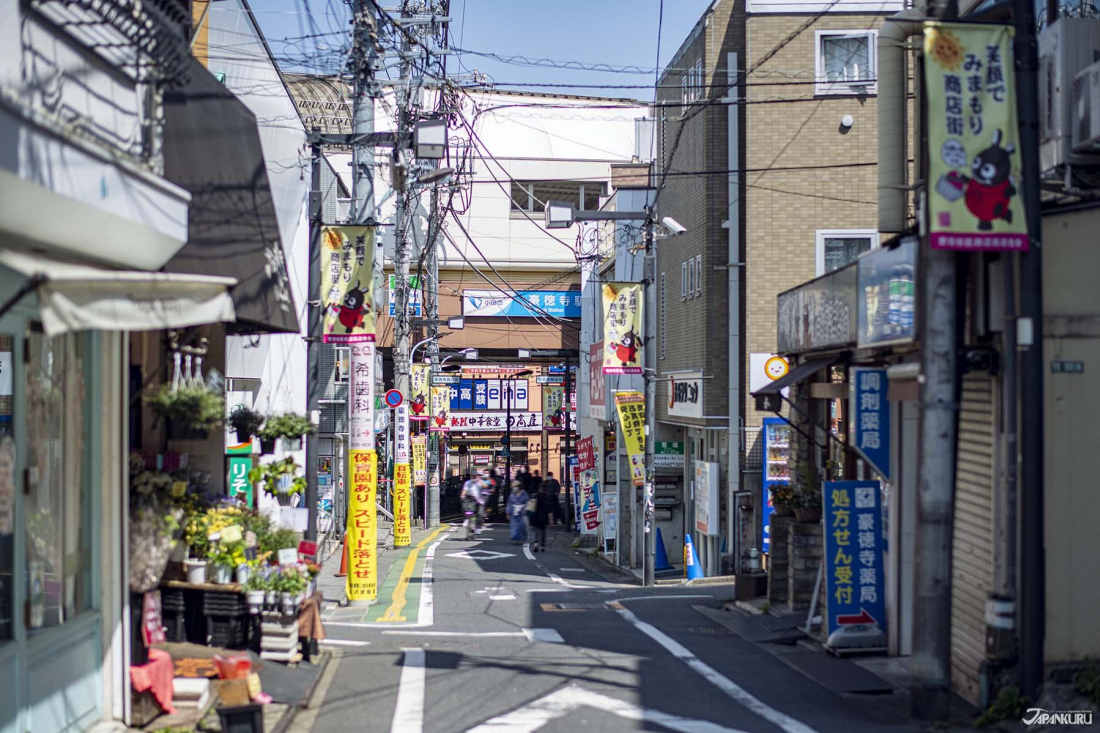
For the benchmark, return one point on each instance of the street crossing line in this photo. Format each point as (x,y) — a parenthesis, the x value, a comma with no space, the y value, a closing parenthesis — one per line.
(726,685)
(426,617)
(527,551)
(408,714)
(342,642)
(399,597)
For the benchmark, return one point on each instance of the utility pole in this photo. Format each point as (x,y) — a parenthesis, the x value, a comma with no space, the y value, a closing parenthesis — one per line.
(431,312)
(313,326)
(649,374)
(568,438)
(402,336)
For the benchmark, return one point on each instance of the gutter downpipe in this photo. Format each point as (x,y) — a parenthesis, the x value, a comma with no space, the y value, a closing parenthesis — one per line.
(733,270)
(893,129)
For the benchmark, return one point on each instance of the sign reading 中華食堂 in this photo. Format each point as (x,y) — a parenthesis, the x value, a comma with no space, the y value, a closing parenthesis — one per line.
(525,304)
(870,411)
(975,202)
(631,408)
(347,284)
(622,328)
(854,579)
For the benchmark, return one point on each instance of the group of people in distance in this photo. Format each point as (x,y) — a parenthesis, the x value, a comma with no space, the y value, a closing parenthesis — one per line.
(528,501)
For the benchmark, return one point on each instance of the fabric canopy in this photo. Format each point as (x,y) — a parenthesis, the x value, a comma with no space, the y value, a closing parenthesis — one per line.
(77,297)
(212,149)
(800,373)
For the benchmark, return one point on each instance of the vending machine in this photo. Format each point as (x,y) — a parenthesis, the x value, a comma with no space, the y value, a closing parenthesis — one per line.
(777,469)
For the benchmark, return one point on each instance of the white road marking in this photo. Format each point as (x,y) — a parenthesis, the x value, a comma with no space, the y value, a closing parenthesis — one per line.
(566,583)
(726,685)
(408,714)
(480,554)
(535,715)
(657,598)
(572,570)
(547,590)
(426,617)
(508,597)
(549,636)
(342,642)
(527,551)
(470,634)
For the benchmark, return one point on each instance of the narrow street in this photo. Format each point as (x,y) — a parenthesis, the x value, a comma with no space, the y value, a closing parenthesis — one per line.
(504,639)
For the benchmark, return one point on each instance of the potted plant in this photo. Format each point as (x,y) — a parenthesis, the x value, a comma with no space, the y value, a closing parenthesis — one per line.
(190,411)
(226,555)
(246,422)
(196,570)
(290,427)
(807,506)
(243,572)
(256,589)
(782,498)
(278,479)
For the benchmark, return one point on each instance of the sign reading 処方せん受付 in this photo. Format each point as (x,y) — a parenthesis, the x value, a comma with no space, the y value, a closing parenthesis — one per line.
(975,201)
(622,328)
(347,284)
(854,580)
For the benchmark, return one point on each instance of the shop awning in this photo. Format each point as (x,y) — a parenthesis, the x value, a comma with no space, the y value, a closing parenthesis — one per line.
(212,149)
(79,297)
(800,373)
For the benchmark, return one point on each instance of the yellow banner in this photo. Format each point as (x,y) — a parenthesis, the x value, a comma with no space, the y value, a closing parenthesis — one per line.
(973,138)
(402,507)
(441,409)
(362,541)
(631,406)
(553,407)
(347,284)
(418,396)
(420,460)
(622,328)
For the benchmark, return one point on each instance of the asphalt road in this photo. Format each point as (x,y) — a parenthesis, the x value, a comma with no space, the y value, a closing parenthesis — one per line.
(500,639)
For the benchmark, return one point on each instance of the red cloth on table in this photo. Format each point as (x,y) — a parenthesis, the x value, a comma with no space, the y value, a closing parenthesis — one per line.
(155,676)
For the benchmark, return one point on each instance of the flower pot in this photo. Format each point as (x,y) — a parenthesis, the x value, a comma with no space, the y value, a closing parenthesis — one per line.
(244,436)
(179,552)
(255,600)
(287,603)
(196,570)
(267,446)
(223,574)
(806,514)
(270,599)
(178,430)
(292,444)
(242,572)
(782,510)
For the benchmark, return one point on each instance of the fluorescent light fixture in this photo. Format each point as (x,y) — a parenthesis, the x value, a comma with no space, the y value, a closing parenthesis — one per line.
(471,354)
(673,226)
(456,324)
(559,215)
(431,139)
(524,354)
(439,175)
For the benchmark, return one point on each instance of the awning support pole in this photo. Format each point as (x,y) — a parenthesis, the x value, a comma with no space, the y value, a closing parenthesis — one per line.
(31,284)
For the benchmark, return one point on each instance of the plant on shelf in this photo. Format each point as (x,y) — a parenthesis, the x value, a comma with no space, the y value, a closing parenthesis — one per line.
(807,505)
(259,582)
(289,580)
(227,554)
(782,499)
(193,407)
(289,426)
(277,479)
(246,422)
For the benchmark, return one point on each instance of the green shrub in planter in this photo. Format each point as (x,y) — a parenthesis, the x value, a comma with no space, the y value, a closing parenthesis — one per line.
(193,407)
(246,422)
(290,426)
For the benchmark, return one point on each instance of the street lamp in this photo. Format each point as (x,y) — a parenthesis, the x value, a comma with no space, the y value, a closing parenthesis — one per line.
(508,425)
(471,354)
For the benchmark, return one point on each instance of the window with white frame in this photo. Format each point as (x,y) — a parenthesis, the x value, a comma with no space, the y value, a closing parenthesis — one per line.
(845,62)
(531,196)
(698,274)
(683,280)
(839,247)
(691,85)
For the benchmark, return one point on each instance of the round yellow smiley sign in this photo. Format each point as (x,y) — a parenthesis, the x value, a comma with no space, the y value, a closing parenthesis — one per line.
(776,367)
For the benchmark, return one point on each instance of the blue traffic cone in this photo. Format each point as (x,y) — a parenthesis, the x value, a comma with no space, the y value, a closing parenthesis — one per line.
(691,560)
(661,560)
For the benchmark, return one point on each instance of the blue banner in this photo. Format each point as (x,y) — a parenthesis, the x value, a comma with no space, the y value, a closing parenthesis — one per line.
(466,394)
(854,580)
(454,397)
(481,394)
(871,417)
(528,303)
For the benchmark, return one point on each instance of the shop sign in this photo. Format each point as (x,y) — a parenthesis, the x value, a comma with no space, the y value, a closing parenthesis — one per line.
(361,405)
(685,395)
(494,368)
(885,292)
(362,528)
(239,485)
(586,454)
(482,460)
(597,387)
(819,314)
(973,138)
(854,580)
(622,328)
(631,407)
(765,369)
(401,434)
(347,284)
(523,304)
(668,454)
(420,460)
(707,492)
(610,458)
(441,409)
(152,620)
(590,501)
(550,379)
(418,391)
(415,304)
(494,421)
(870,411)
(402,481)
(610,510)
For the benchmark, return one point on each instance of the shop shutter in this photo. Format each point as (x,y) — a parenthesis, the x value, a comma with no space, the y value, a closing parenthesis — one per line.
(972,566)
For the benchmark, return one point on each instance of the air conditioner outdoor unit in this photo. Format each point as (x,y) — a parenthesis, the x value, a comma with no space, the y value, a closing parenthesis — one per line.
(1065,49)
(1086,106)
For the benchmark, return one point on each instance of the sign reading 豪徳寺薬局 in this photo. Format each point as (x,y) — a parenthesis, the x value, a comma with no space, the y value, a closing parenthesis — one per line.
(362,527)
(854,580)
(870,411)
(975,202)
(401,433)
(347,284)
(631,407)
(622,328)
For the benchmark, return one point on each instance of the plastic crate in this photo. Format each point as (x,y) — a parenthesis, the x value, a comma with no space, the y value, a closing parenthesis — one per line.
(172,599)
(228,632)
(243,719)
(216,603)
(175,625)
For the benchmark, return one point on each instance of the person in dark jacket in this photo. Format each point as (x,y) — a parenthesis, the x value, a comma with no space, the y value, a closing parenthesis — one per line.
(553,489)
(540,519)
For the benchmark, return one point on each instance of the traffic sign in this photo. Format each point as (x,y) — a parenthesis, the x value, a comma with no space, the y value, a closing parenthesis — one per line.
(445,379)
(551,379)
(394,398)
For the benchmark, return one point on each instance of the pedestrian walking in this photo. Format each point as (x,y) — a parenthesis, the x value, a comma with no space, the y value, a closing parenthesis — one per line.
(553,490)
(471,493)
(539,517)
(517,509)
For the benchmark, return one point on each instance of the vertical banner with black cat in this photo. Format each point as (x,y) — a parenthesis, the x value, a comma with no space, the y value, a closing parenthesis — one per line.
(347,284)
(622,328)
(975,202)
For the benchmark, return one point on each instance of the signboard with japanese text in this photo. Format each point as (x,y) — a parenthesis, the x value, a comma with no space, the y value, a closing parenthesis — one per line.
(362,529)
(707,492)
(885,294)
(974,201)
(854,580)
(622,328)
(361,398)
(402,481)
(610,459)
(152,620)
(522,420)
(401,433)
(818,314)
(631,408)
(870,423)
(239,485)
(420,460)
(465,395)
(685,394)
(586,454)
(597,385)
(527,304)
(481,394)
(441,409)
(668,454)
(610,511)
(415,305)
(418,398)
(347,284)
(590,501)
(553,407)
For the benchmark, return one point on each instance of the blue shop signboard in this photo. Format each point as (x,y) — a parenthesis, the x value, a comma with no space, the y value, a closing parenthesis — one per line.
(870,411)
(854,578)
(522,304)
(466,394)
